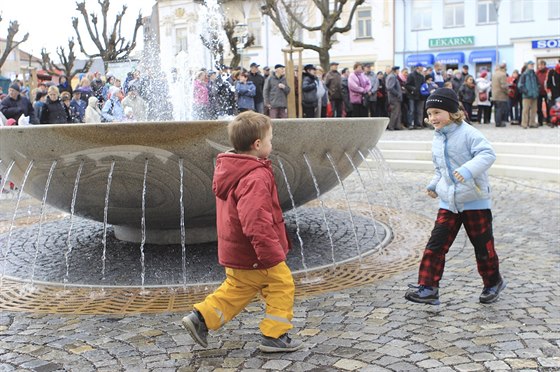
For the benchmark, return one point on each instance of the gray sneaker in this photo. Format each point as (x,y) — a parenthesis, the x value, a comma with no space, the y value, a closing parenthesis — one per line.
(491,294)
(196,327)
(282,344)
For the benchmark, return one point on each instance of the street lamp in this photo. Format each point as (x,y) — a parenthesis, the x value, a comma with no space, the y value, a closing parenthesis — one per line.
(497,8)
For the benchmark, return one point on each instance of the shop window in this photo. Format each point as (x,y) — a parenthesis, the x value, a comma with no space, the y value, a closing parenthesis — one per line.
(421,14)
(254,28)
(486,12)
(454,13)
(363,26)
(522,10)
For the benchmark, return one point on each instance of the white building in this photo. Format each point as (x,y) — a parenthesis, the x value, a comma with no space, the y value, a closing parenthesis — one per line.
(457,32)
(179,21)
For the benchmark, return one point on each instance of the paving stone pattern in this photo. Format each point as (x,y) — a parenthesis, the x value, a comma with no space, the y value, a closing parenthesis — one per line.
(369,328)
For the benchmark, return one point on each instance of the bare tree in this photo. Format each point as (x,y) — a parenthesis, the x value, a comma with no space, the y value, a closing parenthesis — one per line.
(67,62)
(111,45)
(234,41)
(11,44)
(287,16)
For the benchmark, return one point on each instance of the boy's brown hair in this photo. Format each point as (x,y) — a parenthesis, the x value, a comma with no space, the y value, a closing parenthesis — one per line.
(246,128)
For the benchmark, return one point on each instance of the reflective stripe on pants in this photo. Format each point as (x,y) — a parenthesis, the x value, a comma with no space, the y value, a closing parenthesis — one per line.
(275,285)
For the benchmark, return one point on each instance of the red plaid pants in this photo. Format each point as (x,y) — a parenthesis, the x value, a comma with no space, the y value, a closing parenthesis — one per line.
(478,225)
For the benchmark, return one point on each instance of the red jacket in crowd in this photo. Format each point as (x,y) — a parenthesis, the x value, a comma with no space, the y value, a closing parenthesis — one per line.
(251,229)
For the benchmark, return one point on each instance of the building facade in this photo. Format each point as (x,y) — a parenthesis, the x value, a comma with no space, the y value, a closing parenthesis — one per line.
(180,23)
(478,33)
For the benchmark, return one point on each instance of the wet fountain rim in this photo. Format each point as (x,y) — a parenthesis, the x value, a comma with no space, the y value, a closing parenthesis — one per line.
(388,238)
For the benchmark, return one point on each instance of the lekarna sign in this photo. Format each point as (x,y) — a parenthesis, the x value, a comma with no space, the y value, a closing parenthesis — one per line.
(545,44)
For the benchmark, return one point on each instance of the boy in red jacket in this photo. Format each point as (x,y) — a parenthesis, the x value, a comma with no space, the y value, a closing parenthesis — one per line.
(252,240)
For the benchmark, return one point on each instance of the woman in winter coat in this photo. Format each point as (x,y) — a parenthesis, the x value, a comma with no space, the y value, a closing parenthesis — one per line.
(467,95)
(309,88)
(483,87)
(93,113)
(358,85)
(54,111)
(112,110)
(201,100)
(246,91)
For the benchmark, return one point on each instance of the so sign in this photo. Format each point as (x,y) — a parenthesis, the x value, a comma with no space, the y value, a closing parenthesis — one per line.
(545,44)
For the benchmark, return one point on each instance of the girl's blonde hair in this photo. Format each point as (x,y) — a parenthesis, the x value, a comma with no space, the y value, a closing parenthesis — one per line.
(456,117)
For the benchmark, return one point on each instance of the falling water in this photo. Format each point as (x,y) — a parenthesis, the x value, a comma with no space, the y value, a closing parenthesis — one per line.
(348,205)
(43,208)
(183,234)
(72,205)
(387,176)
(6,175)
(105,213)
(5,252)
(364,188)
(295,213)
(378,178)
(143,275)
(322,205)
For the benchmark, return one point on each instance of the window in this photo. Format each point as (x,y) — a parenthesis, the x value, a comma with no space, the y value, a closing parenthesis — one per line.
(522,10)
(421,14)
(363,27)
(486,12)
(454,13)
(181,40)
(553,9)
(254,27)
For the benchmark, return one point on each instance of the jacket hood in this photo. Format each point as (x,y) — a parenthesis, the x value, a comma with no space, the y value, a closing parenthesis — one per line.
(230,168)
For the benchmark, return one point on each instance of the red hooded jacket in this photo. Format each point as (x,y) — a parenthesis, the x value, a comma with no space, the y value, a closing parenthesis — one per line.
(251,229)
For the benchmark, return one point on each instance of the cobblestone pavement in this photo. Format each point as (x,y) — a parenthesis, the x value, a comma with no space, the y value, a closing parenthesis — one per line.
(368,328)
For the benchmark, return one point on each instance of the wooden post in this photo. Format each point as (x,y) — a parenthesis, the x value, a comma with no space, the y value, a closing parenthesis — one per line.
(294,108)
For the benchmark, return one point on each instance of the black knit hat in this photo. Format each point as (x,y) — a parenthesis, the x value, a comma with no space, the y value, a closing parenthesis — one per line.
(445,99)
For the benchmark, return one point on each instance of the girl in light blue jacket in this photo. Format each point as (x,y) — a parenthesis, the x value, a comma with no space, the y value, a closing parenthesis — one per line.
(461,157)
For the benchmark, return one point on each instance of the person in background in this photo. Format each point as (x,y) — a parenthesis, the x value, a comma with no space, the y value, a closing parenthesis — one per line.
(15,105)
(542,99)
(200,91)
(371,96)
(345,92)
(66,98)
(483,87)
(85,89)
(258,80)
(322,94)
(252,240)
(136,103)
(467,95)
(514,98)
(394,97)
(40,100)
(500,95)
(55,111)
(333,82)
(404,104)
(415,104)
(112,110)
(309,86)
(358,87)
(93,113)
(77,107)
(246,92)
(381,109)
(465,73)
(64,85)
(457,80)
(276,92)
(529,87)
(439,74)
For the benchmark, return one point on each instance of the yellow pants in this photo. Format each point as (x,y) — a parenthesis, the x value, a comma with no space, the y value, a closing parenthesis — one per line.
(275,285)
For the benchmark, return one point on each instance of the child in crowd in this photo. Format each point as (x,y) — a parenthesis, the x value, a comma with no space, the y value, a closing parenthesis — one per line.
(252,240)
(462,157)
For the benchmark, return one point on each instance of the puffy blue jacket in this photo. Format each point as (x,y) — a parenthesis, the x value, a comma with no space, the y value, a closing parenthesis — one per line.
(245,95)
(462,148)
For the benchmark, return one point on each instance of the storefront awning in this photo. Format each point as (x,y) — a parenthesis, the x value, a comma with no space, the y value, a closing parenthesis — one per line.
(481,56)
(423,59)
(454,58)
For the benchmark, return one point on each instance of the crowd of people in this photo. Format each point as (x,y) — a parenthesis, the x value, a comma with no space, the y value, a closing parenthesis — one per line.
(527,97)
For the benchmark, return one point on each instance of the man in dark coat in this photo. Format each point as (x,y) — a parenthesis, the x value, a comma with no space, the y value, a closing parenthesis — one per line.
(14,105)
(333,82)
(415,103)
(257,79)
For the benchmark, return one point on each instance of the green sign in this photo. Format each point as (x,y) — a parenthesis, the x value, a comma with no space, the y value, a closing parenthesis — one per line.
(451,41)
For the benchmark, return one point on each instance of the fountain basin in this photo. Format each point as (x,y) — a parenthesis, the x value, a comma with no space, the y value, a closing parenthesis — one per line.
(152,162)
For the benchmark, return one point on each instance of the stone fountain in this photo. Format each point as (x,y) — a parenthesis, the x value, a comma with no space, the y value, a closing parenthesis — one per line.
(154,168)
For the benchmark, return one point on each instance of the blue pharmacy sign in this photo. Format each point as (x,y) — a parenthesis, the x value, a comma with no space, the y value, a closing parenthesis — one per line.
(546,43)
